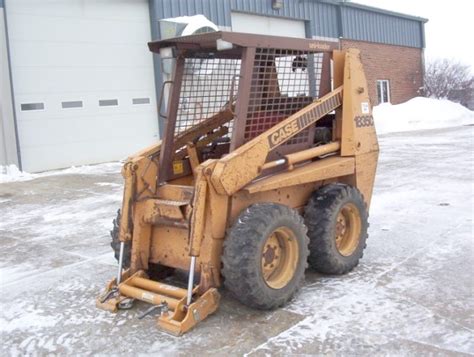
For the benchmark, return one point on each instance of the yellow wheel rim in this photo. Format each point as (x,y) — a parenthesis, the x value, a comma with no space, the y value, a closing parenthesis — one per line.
(279,257)
(348,228)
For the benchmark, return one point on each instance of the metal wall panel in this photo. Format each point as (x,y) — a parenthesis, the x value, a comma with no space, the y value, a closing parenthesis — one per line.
(364,25)
(356,22)
(321,17)
(218,11)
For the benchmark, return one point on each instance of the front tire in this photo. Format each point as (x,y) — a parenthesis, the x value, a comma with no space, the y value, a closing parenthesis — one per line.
(265,255)
(337,220)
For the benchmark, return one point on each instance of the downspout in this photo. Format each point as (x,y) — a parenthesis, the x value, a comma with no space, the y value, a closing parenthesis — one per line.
(340,28)
(15,122)
(423,62)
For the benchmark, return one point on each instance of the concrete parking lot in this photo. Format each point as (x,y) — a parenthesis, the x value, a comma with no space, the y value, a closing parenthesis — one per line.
(412,294)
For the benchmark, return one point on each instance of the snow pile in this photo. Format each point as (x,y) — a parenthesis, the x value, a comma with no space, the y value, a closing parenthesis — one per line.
(11,173)
(94,169)
(193,23)
(420,113)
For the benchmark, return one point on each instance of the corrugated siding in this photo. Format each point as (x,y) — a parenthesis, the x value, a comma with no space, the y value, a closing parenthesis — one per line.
(358,24)
(322,18)
(218,11)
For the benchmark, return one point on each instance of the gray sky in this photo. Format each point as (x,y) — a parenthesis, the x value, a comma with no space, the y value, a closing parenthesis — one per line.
(450,26)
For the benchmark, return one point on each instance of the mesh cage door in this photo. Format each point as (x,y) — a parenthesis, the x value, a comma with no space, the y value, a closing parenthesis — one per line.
(283,82)
(206,90)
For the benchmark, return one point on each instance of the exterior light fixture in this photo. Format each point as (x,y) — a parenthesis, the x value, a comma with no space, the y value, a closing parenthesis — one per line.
(223,45)
(277,4)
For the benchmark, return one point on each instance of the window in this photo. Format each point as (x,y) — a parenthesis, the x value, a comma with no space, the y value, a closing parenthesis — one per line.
(32,106)
(141,100)
(108,102)
(383,91)
(72,104)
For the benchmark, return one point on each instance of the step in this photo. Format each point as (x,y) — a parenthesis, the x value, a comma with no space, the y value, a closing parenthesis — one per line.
(166,212)
(171,202)
(175,192)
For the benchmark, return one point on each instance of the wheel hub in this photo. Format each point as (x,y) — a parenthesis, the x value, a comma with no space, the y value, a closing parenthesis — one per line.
(348,229)
(270,254)
(279,257)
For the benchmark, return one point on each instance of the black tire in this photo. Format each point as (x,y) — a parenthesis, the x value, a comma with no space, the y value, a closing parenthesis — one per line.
(155,271)
(115,242)
(321,214)
(242,256)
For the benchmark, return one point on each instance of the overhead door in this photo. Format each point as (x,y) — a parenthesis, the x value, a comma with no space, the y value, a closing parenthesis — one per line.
(265,25)
(83,80)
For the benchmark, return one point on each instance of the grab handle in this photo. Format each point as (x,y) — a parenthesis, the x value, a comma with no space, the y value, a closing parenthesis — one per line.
(160,103)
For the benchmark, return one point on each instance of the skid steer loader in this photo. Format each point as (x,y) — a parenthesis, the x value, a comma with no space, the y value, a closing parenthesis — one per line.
(267,163)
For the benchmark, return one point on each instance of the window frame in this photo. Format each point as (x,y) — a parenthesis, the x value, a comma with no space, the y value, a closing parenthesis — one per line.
(107,103)
(32,107)
(73,107)
(141,101)
(381,91)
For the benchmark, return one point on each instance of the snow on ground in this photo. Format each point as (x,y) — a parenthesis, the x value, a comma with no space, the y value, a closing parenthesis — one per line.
(416,114)
(11,173)
(421,113)
(412,293)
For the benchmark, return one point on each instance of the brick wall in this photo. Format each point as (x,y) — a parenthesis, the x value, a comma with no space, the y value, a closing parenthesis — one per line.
(402,66)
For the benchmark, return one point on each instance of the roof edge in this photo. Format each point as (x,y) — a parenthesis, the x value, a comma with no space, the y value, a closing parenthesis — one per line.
(208,40)
(382,11)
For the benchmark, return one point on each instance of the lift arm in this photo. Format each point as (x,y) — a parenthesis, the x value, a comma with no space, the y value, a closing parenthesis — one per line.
(240,167)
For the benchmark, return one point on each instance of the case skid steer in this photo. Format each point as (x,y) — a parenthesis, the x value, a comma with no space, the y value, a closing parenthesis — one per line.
(266,165)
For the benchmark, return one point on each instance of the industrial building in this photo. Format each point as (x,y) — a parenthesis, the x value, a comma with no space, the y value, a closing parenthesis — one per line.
(79,86)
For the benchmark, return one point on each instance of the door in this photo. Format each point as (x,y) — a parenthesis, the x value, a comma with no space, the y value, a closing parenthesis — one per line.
(83,80)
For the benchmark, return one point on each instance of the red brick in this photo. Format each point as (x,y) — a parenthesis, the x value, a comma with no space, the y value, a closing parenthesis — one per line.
(402,66)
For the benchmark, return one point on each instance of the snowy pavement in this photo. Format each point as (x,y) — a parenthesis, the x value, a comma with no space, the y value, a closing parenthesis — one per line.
(412,293)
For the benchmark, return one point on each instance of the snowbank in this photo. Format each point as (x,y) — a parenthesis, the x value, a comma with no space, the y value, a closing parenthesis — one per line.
(420,113)
(11,173)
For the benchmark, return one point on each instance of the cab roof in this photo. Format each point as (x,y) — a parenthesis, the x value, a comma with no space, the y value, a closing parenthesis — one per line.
(208,41)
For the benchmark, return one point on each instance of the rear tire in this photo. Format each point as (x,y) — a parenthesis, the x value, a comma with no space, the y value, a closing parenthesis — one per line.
(265,255)
(155,271)
(337,220)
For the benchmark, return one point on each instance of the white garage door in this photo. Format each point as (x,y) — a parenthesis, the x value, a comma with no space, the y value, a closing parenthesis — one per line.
(83,80)
(265,25)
